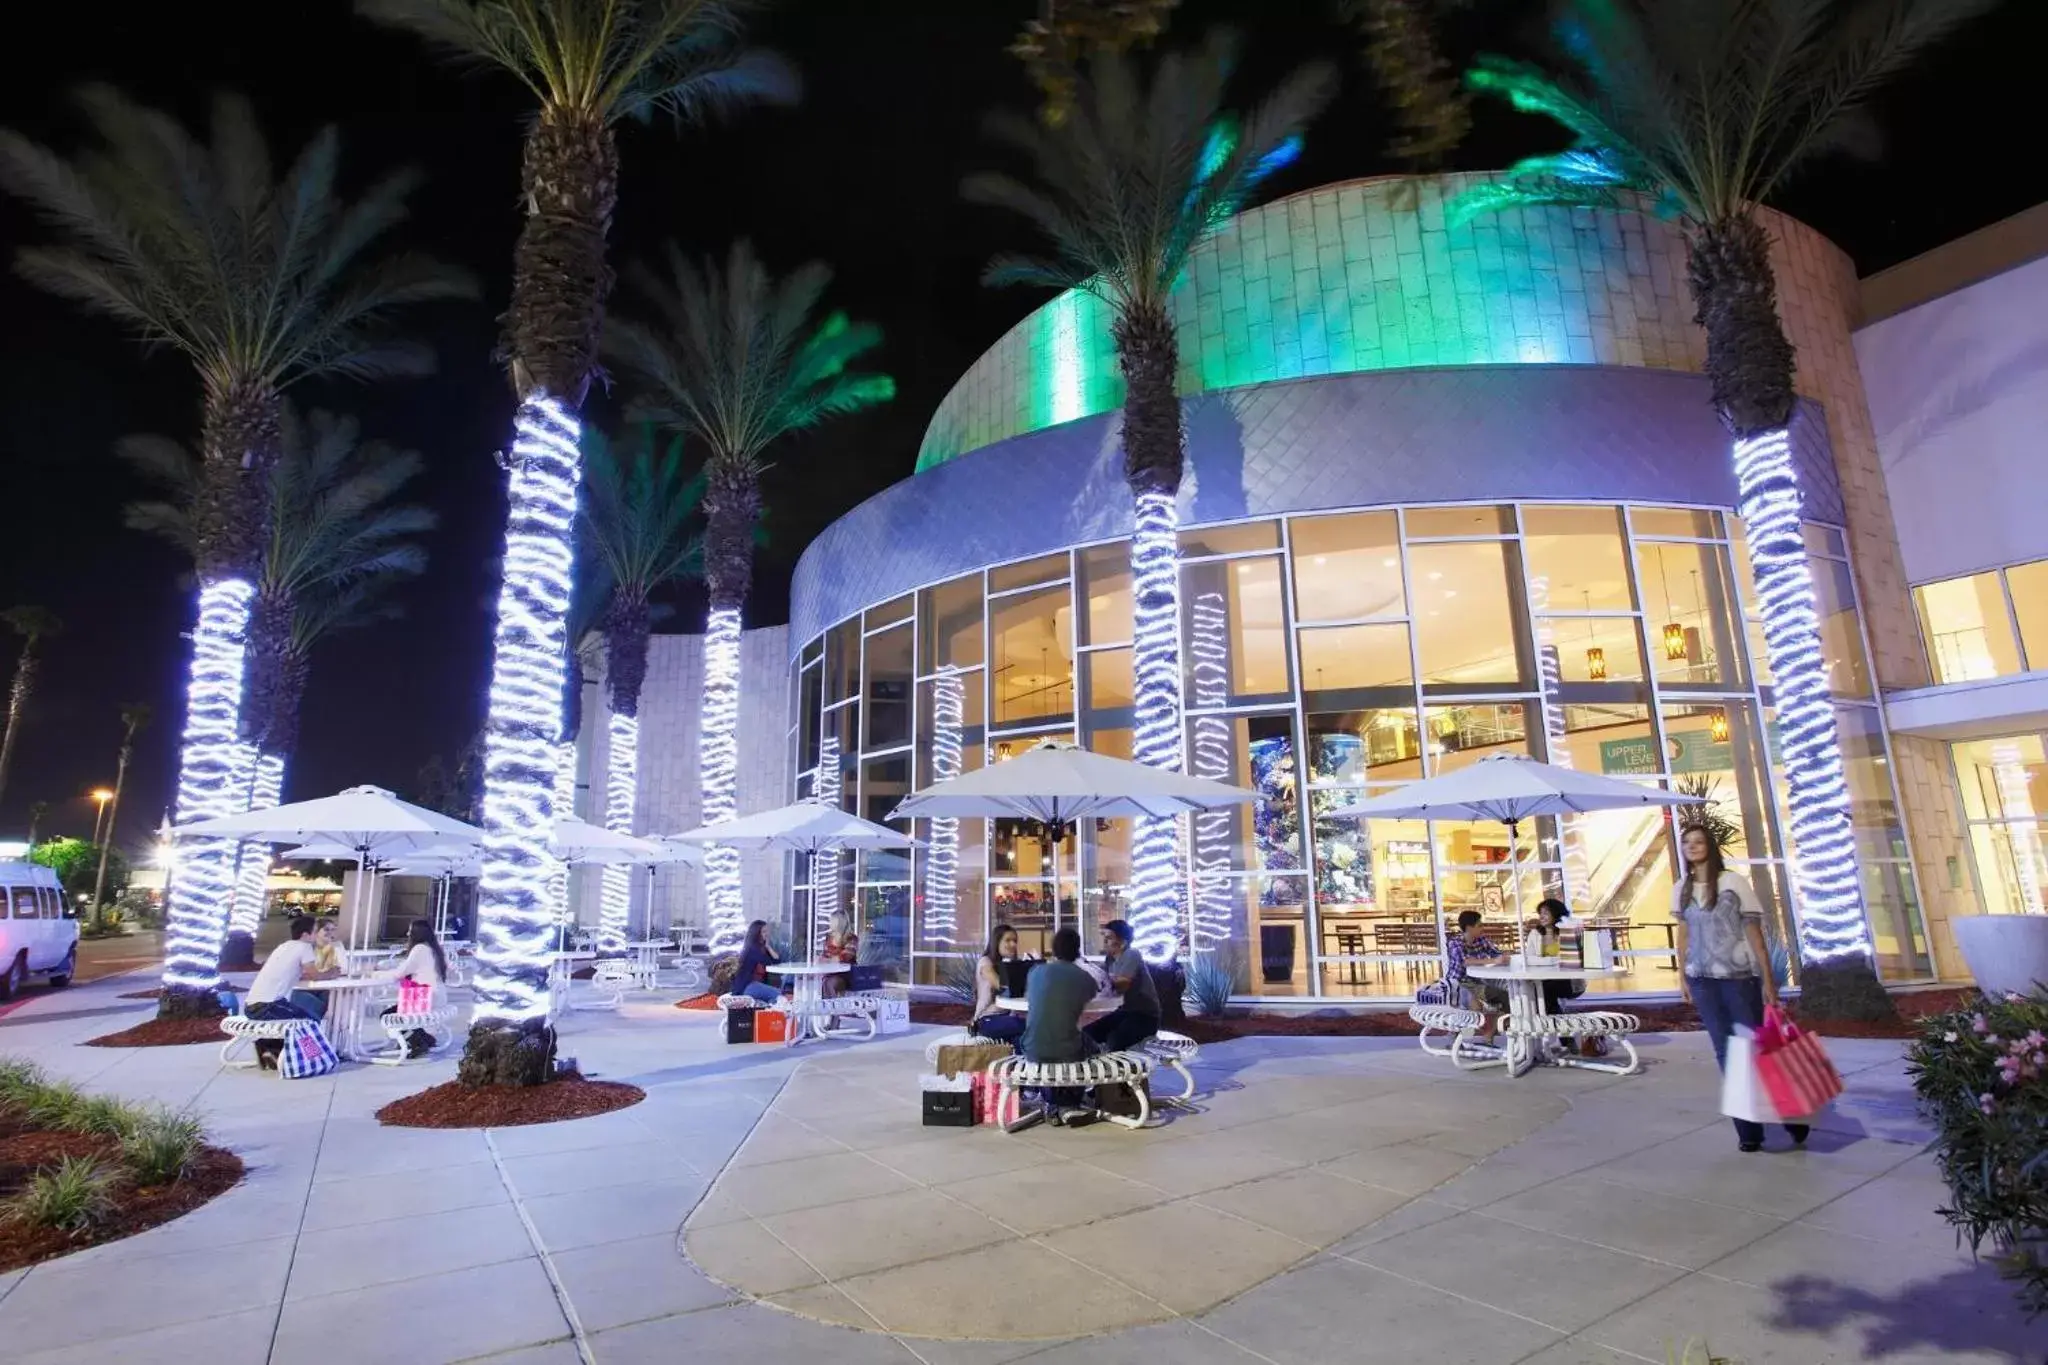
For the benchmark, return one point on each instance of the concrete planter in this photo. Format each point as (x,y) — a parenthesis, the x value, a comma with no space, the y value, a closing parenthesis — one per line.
(2004,952)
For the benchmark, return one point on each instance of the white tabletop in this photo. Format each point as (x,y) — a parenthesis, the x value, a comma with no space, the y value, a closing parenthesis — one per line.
(340,983)
(1544,973)
(1017,1004)
(651,943)
(810,969)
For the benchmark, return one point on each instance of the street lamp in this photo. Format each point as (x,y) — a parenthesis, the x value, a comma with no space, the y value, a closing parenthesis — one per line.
(101,795)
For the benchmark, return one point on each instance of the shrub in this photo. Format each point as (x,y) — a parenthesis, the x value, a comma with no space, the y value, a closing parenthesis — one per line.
(160,1147)
(1982,1076)
(723,968)
(73,1196)
(106,1116)
(1212,980)
(59,1105)
(956,977)
(18,1081)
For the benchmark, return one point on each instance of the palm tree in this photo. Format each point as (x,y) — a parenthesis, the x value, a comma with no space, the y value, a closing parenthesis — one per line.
(735,359)
(1122,190)
(337,542)
(259,280)
(135,718)
(638,512)
(34,625)
(1699,111)
(1053,45)
(589,63)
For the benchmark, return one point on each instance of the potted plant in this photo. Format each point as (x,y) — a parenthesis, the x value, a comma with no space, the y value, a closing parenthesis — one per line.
(1982,1076)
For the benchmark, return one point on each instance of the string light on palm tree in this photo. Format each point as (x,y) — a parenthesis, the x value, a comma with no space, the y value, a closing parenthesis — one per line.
(1779,87)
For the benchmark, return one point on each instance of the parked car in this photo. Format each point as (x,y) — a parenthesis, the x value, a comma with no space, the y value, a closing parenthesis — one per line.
(36,933)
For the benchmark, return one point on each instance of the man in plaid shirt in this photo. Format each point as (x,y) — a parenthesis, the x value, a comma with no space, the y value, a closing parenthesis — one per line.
(1468,945)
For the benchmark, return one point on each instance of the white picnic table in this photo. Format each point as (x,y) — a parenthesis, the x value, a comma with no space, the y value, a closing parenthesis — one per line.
(807,997)
(1102,1004)
(348,999)
(647,959)
(1524,983)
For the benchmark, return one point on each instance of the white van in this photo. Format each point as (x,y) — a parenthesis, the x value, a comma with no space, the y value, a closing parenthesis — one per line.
(35,933)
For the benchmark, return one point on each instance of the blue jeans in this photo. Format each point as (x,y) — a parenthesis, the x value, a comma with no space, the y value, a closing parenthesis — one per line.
(1723,1002)
(1001,1026)
(761,991)
(312,1004)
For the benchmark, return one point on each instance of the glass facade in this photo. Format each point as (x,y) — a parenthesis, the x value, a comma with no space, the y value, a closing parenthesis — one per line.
(1986,625)
(2004,785)
(1328,657)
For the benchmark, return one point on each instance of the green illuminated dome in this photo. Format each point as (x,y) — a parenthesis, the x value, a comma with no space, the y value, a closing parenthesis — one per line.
(1358,276)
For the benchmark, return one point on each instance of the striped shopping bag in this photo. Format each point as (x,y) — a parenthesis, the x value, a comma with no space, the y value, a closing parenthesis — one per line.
(1794,1066)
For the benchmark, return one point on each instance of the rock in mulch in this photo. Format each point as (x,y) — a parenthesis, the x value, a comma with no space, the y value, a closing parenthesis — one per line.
(455,1105)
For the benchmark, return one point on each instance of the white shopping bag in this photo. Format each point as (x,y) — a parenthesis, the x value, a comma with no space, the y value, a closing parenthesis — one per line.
(893,1015)
(1742,1090)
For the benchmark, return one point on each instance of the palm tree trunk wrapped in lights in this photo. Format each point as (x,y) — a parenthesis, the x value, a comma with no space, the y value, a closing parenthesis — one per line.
(942,848)
(1698,113)
(259,281)
(637,515)
(734,359)
(589,65)
(1124,183)
(336,542)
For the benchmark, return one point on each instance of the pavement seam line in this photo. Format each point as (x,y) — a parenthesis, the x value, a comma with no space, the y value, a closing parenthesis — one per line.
(284,1293)
(547,1261)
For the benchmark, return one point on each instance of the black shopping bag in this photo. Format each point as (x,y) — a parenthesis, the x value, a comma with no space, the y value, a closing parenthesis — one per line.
(739,1026)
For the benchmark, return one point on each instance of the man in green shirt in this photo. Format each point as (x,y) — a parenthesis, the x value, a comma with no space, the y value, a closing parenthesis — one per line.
(1056,992)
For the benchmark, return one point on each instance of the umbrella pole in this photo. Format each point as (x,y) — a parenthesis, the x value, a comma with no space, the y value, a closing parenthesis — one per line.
(1515,862)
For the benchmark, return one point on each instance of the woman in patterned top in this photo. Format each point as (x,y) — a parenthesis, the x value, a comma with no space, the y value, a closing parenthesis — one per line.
(1720,939)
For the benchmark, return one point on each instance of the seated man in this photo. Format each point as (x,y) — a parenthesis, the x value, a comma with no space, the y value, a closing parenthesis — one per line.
(275,993)
(1056,993)
(1136,1018)
(1469,947)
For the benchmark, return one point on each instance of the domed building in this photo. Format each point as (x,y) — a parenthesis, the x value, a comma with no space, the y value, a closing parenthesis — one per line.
(1451,491)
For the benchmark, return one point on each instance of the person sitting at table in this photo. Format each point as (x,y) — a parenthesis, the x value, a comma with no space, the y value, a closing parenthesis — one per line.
(327,948)
(1054,997)
(841,945)
(1470,947)
(1002,1026)
(1136,1016)
(1542,941)
(275,993)
(425,963)
(756,957)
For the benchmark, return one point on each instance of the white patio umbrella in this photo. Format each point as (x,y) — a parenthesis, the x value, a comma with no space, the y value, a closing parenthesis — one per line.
(1509,788)
(370,822)
(582,844)
(446,864)
(802,827)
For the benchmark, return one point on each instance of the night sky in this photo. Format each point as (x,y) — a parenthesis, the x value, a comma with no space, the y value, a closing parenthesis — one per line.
(864,175)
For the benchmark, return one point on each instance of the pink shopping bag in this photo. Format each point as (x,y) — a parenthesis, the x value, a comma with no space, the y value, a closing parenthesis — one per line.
(1794,1066)
(414,997)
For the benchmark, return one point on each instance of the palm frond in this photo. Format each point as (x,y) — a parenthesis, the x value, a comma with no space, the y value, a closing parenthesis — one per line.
(1707,105)
(735,358)
(638,510)
(259,279)
(610,59)
(1141,168)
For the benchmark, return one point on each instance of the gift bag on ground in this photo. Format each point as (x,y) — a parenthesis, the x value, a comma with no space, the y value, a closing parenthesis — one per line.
(739,1025)
(892,1015)
(948,1101)
(771,1026)
(1121,1099)
(991,1103)
(1742,1089)
(307,1052)
(415,997)
(1795,1068)
(955,1058)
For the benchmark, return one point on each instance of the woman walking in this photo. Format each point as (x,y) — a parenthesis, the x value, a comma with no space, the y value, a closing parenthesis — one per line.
(1727,970)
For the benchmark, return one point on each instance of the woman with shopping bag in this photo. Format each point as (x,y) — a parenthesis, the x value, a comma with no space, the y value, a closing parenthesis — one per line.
(1726,976)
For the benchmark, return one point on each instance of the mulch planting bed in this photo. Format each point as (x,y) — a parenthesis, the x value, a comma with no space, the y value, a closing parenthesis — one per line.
(136,1208)
(150,994)
(455,1105)
(163,1033)
(706,1001)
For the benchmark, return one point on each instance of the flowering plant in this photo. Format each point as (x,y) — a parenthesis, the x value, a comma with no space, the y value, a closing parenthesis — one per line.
(1982,1075)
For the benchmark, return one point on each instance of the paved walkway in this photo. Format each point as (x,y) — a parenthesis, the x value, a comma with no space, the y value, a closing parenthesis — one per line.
(1338,1200)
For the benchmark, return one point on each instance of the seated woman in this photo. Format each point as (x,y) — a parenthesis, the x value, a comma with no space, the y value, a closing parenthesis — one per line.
(426,964)
(756,957)
(841,945)
(1002,1026)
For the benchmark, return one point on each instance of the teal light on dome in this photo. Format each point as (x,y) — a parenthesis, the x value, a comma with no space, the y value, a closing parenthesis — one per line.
(1348,279)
